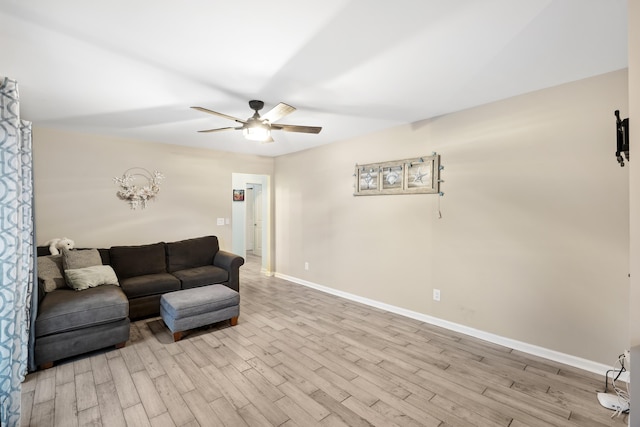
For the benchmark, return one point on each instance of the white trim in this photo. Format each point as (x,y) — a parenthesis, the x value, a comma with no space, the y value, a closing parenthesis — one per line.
(556,356)
(238,215)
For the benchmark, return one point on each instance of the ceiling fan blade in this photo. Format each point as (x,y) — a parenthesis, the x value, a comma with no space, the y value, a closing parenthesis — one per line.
(278,112)
(215,113)
(294,128)
(219,129)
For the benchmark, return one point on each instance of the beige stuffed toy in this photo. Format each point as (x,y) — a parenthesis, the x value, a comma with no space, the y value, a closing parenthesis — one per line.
(56,244)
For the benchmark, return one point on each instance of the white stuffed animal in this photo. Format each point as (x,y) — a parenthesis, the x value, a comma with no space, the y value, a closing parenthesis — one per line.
(56,244)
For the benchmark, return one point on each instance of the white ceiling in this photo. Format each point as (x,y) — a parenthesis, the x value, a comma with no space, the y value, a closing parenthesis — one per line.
(132,68)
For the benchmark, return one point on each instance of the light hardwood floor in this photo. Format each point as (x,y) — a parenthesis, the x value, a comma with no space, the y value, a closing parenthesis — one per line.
(299,357)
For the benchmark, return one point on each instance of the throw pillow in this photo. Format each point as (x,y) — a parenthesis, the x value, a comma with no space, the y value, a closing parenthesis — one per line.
(72,259)
(50,272)
(90,277)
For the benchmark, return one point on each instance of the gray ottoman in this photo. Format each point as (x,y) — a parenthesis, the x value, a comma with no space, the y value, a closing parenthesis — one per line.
(191,308)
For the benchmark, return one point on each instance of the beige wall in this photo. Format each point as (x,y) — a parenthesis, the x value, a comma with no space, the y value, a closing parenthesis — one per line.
(533,243)
(75,195)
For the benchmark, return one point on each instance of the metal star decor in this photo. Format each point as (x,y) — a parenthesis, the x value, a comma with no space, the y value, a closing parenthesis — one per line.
(417,177)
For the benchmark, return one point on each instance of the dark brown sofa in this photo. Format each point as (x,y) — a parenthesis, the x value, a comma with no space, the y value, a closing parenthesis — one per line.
(146,272)
(73,322)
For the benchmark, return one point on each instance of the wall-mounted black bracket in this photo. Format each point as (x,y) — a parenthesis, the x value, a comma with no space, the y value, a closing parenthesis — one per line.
(622,140)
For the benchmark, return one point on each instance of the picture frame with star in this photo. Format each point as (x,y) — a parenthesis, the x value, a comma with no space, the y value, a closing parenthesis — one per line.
(422,175)
(419,175)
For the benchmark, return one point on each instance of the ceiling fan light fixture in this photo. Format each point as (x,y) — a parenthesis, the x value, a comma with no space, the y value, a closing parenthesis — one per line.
(258,128)
(257,132)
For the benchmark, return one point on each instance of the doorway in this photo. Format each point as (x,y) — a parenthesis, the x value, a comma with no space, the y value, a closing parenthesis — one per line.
(251,221)
(254,219)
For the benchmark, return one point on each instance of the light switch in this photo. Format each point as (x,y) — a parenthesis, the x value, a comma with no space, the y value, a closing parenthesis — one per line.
(220,221)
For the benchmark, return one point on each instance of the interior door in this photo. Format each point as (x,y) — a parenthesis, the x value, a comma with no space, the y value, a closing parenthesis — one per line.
(250,224)
(257,218)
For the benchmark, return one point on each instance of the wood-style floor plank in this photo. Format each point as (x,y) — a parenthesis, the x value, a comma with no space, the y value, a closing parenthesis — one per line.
(200,409)
(173,400)
(85,391)
(110,408)
(43,414)
(136,416)
(149,396)
(90,417)
(100,369)
(299,357)
(65,404)
(45,389)
(163,420)
(125,389)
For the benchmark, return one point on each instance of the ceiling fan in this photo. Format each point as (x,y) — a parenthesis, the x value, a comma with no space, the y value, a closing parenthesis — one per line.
(258,128)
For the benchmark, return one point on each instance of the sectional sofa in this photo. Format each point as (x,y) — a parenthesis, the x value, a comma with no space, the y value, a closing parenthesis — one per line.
(88,296)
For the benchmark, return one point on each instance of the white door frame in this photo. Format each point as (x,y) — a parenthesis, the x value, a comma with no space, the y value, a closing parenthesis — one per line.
(250,235)
(238,222)
(256,216)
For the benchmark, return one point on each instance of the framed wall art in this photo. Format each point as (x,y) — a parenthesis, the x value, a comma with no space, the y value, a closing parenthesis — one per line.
(238,195)
(420,175)
(393,177)
(367,179)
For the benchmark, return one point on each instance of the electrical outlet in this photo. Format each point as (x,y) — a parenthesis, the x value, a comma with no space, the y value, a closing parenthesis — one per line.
(306,265)
(436,294)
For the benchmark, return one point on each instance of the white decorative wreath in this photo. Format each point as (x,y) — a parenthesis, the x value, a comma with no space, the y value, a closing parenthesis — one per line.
(138,195)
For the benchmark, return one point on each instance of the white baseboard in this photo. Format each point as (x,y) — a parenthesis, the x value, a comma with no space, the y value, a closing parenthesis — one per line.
(556,356)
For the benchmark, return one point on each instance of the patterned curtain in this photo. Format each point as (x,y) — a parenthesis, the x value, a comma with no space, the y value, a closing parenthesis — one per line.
(16,250)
